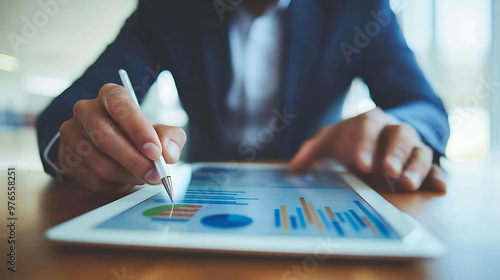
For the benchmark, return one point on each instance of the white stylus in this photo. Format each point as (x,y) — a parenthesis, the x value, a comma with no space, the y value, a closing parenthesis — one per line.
(160,163)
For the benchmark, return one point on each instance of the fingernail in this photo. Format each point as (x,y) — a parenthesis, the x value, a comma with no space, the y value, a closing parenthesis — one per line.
(151,151)
(173,150)
(152,177)
(440,177)
(396,163)
(367,158)
(414,177)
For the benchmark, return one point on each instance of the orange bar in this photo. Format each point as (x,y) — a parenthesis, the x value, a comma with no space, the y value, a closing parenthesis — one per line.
(174,215)
(306,210)
(188,207)
(315,215)
(330,213)
(284,218)
(367,222)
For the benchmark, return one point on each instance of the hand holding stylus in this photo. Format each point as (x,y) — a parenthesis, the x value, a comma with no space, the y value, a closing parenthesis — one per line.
(109,145)
(160,164)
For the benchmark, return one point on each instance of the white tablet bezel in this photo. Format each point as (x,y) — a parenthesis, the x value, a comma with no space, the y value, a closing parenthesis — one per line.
(416,241)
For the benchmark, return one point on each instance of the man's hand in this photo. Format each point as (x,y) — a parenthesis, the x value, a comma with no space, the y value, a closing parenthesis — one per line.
(109,144)
(377,151)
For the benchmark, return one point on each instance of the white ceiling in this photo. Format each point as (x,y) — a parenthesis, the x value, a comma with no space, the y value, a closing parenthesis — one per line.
(62,48)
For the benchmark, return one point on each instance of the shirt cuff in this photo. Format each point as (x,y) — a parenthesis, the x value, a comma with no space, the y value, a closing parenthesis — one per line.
(53,163)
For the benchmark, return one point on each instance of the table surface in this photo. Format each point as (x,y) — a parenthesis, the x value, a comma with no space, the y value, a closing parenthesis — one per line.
(466,219)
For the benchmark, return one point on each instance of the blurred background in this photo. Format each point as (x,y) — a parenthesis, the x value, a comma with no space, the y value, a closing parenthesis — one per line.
(456,42)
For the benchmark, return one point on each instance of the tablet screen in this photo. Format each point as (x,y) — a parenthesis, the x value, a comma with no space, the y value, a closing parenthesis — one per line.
(258,201)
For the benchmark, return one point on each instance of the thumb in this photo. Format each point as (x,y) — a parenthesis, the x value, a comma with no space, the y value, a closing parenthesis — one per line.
(311,150)
(172,140)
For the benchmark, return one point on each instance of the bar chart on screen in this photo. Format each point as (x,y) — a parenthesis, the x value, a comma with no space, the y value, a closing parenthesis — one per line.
(352,219)
(260,202)
(200,196)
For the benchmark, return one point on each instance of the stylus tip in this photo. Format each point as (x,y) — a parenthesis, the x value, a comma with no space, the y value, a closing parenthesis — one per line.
(167,183)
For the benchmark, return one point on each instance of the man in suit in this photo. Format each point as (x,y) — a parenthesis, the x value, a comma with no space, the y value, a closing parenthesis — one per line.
(261,79)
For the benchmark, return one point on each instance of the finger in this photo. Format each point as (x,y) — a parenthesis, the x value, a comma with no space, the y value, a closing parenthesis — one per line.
(417,168)
(123,109)
(357,140)
(377,182)
(173,139)
(99,163)
(311,150)
(108,169)
(400,141)
(435,179)
(85,177)
(107,136)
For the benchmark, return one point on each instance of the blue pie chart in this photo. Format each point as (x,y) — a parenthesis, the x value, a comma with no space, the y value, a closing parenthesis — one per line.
(226,221)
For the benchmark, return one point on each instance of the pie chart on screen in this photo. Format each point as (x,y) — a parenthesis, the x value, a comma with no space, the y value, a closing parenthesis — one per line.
(226,221)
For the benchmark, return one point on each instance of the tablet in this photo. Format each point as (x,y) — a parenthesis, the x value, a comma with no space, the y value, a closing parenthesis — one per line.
(255,209)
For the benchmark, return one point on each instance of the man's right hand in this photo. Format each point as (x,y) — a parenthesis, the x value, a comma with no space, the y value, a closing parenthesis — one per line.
(109,144)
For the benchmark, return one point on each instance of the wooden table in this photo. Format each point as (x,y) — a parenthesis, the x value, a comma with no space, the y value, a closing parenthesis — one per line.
(466,219)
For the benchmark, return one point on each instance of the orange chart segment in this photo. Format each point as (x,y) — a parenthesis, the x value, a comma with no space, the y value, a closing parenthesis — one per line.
(284,217)
(329,211)
(315,215)
(306,210)
(369,224)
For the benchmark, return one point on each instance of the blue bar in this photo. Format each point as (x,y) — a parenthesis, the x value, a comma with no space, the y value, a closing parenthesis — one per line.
(293,220)
(340,217)
(215,196)
(301,217)
(161,200)
(201,201)
(277,217)
(201,196)
(376,221)
(323,218)
(357,218)
(353,224)
(212,191)
(208,193)
(338,228)
(300,187)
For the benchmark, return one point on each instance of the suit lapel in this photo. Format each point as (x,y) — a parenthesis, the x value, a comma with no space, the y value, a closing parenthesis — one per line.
(217,68)
(304,28)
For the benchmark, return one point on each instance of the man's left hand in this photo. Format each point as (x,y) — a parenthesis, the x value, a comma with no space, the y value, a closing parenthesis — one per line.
(378,150)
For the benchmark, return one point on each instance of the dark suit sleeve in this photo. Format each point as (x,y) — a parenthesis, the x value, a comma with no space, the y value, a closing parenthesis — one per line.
(396,83)
(132,50)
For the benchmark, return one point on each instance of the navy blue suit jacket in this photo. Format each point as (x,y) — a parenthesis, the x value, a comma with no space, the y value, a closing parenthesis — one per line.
(324,51)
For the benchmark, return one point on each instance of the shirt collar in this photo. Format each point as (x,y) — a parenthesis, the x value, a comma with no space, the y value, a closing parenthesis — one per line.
(280,5)
(283,4)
